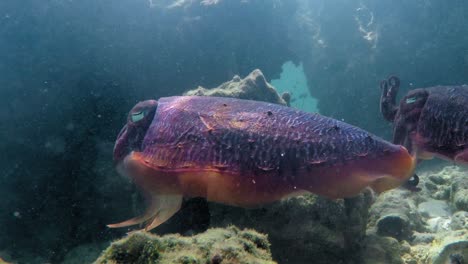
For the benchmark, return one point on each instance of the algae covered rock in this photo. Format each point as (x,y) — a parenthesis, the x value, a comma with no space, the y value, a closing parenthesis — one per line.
(448,245)
(216,245)
(252,87)
(444,248)
(431,225)
(459,192)
(437,185)
(459,221)
(305,229)
(449,183)
(379,249)
(396,215)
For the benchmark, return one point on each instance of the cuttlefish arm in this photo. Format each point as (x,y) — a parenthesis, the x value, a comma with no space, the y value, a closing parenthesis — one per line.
(159,210)
(162,204)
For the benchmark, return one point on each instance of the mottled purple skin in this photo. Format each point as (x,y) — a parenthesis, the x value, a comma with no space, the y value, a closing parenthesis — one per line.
(429,121)
(262,151)
(253,136)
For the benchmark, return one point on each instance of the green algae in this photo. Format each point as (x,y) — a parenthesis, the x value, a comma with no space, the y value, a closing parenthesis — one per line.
(216,245)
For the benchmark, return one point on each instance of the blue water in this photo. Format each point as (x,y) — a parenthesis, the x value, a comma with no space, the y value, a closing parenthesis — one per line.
(294,81)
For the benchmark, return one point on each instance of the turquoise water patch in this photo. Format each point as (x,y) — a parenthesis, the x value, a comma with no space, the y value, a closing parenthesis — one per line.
(293,80)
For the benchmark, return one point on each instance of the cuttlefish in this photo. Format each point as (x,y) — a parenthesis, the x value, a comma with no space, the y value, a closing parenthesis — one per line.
(247,153)
(429,122)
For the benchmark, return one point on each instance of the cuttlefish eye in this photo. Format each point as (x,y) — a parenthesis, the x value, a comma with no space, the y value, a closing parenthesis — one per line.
(418,96)
(411,100)
(137,116)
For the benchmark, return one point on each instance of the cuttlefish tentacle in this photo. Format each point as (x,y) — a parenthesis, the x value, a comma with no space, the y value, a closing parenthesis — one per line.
(161,204)
(160,209)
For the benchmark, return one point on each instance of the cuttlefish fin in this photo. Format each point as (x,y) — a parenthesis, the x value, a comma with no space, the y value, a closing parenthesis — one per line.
(160,209)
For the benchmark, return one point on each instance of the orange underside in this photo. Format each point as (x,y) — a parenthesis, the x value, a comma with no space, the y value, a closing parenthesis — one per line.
(248,190)
(164,189)
(380,174)
(209,182)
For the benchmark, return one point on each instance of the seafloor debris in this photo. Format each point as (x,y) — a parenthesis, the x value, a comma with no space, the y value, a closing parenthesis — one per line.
(252,87)
(217,245)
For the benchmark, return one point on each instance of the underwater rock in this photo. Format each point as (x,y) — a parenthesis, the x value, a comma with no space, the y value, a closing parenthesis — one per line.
(447,245)
(230,245)
(439,224)
(252,87)
(380,249)
(438,185)
(417,254)
(434,208)
(459,192)
(395,214)
(439,235)
(449,186)
(305,229)
(86,253)
(422,238)
(459,221)
(394,225)
(402,214)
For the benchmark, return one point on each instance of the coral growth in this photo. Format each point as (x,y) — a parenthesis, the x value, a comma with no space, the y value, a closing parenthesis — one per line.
(230,245)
